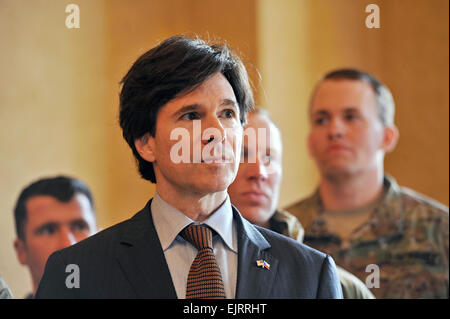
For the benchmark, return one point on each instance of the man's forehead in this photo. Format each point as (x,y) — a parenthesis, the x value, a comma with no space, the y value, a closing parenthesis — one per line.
(342,94)
(262,124)
(44,207)
(216,87)
(256,121)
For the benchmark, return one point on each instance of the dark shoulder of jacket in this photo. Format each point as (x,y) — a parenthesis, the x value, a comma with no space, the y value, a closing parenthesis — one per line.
(100,244)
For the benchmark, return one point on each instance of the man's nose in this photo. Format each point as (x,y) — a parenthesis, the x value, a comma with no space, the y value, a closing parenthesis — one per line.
(258,170)
(212,130)
(66,238)
(336,129)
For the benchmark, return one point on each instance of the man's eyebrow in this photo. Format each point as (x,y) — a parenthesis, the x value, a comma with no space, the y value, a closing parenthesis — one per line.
(320,112)
(186,109)
(196,107)
(226,102)
(78,221)
(345,109)
(351,109)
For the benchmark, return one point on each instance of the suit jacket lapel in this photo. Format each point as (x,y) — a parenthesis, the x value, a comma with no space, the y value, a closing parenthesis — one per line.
(142,259)
(253,282)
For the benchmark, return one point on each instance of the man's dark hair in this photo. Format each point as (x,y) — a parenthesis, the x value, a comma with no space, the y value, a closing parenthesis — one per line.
(385,102)
(62,188)
(177,66)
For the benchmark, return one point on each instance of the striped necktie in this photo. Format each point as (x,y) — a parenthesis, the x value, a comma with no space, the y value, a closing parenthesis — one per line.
(204,279)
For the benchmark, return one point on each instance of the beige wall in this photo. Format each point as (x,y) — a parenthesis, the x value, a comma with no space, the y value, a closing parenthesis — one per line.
(59,88)
(417,71)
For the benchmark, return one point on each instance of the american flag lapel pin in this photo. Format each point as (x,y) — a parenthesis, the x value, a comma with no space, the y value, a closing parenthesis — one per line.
(263,264)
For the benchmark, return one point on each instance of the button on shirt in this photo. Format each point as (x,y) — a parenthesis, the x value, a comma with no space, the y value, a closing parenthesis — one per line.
(180,254)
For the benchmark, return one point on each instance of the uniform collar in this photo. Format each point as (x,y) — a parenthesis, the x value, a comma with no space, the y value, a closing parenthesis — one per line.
(384,216)
(391,190)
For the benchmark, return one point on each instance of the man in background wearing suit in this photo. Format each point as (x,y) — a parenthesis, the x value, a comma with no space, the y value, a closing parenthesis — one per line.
(188,241)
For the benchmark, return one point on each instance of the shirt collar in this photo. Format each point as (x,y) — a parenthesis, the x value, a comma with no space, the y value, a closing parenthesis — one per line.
(222,222)
(169,222)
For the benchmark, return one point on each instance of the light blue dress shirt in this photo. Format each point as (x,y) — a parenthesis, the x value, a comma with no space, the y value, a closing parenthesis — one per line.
(180,254)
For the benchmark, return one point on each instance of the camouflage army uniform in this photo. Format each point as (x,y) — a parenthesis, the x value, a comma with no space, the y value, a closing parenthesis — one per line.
(406,236)
(287,224)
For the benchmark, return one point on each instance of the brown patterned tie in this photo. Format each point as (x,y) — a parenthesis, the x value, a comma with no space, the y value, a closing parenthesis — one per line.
(204,279)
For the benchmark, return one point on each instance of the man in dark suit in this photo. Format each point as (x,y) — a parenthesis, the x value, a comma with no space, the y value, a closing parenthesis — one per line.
(188,241)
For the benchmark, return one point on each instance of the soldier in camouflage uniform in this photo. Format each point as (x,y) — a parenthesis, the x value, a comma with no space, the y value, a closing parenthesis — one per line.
(399,245)
(406,236)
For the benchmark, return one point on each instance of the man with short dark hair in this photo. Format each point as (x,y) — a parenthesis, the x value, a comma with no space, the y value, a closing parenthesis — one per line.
(188,241)
(389,236)
(51,214)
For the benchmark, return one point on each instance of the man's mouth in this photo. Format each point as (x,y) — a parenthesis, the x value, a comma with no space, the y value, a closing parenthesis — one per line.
(337,148)
(255,196)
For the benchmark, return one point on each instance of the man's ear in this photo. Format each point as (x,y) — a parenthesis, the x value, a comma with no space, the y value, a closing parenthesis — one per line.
(19,247)
(145,146)
(390,139)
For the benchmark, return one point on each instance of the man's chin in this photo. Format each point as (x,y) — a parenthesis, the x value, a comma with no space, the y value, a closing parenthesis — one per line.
(211,187)
(252,210)
(254,215)
(338,172)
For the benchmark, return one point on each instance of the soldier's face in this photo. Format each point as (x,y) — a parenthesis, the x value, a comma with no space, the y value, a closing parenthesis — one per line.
(346,134)
(255,190)
(52,225)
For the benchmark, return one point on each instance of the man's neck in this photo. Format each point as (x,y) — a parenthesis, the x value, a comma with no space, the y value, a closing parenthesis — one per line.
(351,191)
(196,206)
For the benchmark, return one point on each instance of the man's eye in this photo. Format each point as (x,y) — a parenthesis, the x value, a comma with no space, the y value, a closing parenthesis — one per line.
(350,117)
(81,226)
(191,116)
(267,159)
(229,113)
(320,121)
(47,230)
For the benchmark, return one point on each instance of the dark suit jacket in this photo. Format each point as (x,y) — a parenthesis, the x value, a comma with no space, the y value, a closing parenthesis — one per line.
(127,261)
